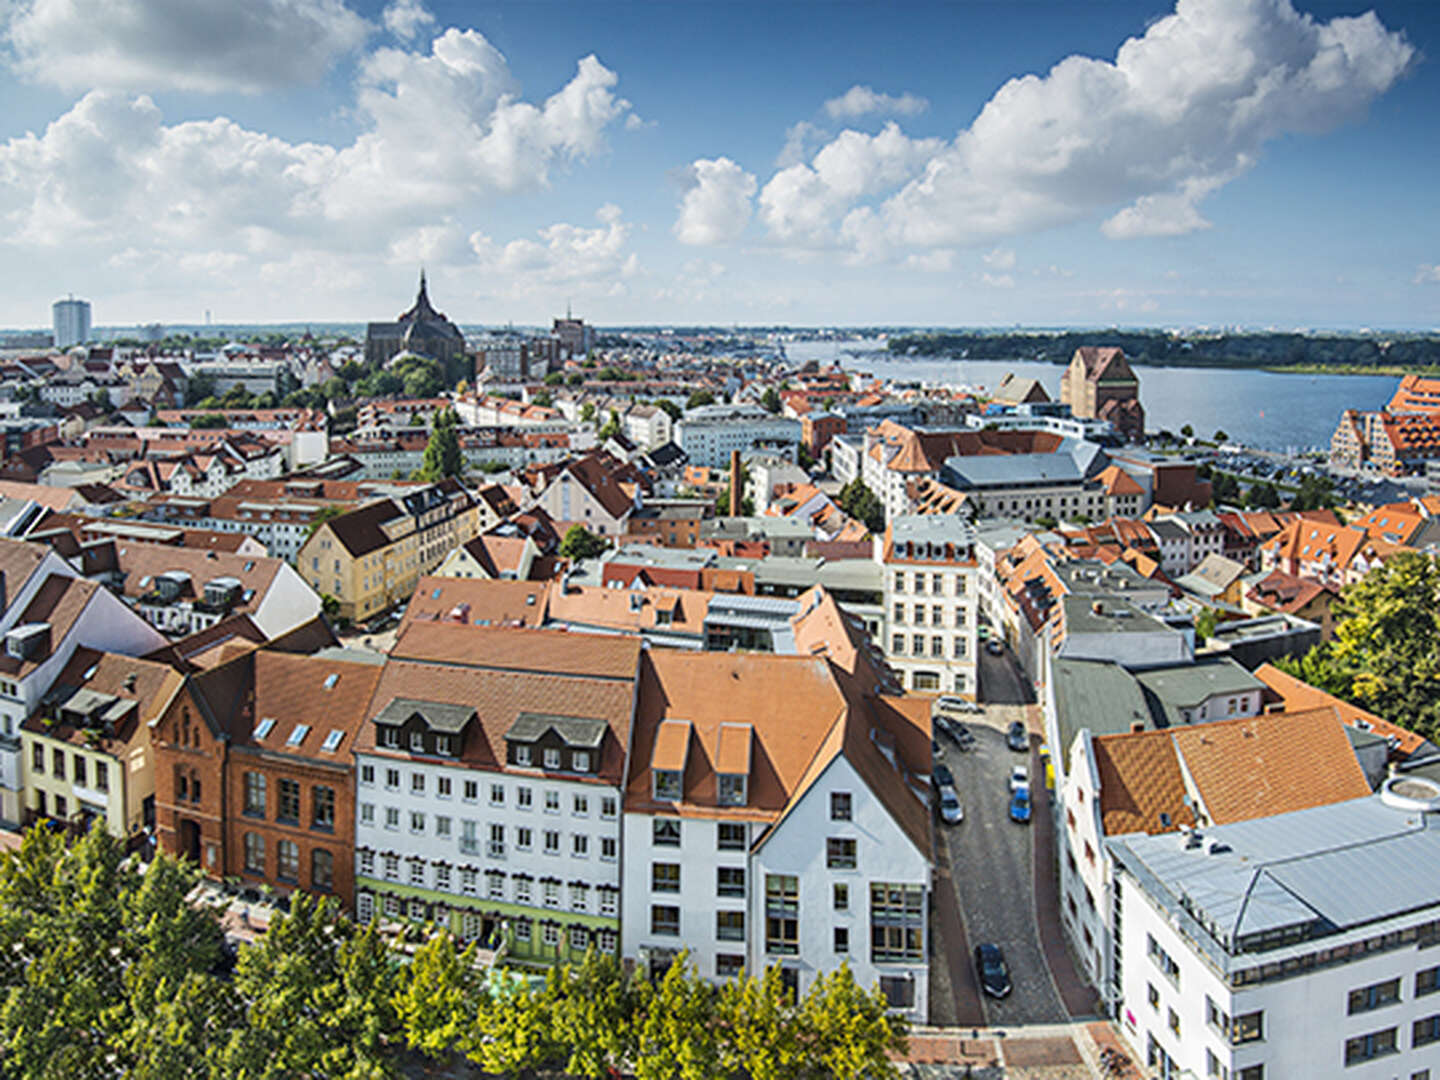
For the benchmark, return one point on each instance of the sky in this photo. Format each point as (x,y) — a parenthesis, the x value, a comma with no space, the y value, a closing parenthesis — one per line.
(1255,163)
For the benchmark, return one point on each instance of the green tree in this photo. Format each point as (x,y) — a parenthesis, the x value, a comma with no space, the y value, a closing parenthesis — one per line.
(575,378)
(442,456)
(1205,624)
(437,1002)
(555,378)
(1224,488)
(1316,492)
(208,420)
(612,426)
(848,1031)
(587,412)
(593,1015)
(319,998)
(580,543)
(669,407)
(761,1040)
(676,1034)
(541,397)
(513,1030)
(860,503)
(770,400)
(1187,431)
(1262,496)
(699,398)
(1221,437)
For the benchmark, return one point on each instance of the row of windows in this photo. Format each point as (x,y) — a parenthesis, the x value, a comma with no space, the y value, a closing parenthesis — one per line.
(471,924)
(496,842)
(287,862)
(916,643)
(288,801)
(420,784)
(922,582)
(897,919)
(936,615)
(729,836)
(80,768)
(465,881)
(1377,995)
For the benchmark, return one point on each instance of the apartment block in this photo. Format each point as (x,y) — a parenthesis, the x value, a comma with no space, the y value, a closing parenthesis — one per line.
(930,602)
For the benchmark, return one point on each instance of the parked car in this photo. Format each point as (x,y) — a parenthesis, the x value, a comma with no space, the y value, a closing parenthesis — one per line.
(993,971)
(951,812)
(1020,805)
(942,777)
(994,648)
(953,704)
(1017,738)
(1019,778)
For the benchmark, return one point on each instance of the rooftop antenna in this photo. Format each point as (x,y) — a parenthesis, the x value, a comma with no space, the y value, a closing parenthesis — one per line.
(568,313)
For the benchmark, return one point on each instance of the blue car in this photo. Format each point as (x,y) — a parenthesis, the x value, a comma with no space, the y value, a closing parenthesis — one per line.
(1020,806)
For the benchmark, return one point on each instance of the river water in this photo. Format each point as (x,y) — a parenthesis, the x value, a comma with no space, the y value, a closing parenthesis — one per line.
(1257,408)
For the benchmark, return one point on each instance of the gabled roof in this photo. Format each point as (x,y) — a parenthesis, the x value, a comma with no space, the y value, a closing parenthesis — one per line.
(325,694)
(1298,696)
(478,602)
(1104,363)
(551,652)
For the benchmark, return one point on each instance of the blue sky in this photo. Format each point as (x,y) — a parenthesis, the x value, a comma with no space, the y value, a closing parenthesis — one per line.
(1206,163)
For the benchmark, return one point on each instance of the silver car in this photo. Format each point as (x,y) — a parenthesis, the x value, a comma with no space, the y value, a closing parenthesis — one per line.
(951,812)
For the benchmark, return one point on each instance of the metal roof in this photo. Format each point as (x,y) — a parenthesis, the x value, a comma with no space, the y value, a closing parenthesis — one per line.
(1095,694)
(1329,869)
(1187,685)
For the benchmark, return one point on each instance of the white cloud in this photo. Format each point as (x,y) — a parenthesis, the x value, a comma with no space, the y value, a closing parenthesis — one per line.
(139,202)
(864,101)
(1180,112)
(716,208)
(931,262)
(801,140)
(406,18)
(800,205)
(998,281)
(442,130)
(565,256)
(198,45)
(1426,274)
(1000,258)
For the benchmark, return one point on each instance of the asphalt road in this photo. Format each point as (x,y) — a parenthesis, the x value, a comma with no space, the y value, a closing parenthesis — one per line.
(1001,682)
(992,869)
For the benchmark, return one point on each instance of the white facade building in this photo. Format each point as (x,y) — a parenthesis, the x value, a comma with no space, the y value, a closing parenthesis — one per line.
(709,433)
(1300,945)
(764,831)
(930,602)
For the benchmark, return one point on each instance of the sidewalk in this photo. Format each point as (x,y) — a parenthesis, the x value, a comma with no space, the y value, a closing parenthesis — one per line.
(1076,995)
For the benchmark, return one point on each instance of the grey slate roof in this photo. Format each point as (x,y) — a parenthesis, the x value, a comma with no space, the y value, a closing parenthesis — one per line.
(1329,869)
(1187,685)
(575,730)
(437,715)
(1095,694)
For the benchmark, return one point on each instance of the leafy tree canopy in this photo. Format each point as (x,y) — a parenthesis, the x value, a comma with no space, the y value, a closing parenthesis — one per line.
(580,543)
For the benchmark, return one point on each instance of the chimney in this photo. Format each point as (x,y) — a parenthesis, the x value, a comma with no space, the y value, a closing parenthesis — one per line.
(735,491)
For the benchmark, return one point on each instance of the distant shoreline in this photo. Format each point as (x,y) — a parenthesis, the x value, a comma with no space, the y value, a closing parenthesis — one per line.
(1382,370)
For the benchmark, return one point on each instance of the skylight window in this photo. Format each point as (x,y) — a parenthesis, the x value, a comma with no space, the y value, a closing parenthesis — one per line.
(250,566)
(332,741)
(264,727)
(298,735)
(331,680)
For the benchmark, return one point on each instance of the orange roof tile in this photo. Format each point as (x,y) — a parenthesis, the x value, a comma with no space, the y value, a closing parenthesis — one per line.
(1274,763)
(1298,695)
(1140,780)
(672,746)
(732,752)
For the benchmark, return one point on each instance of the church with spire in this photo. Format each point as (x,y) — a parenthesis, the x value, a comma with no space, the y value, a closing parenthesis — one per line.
(421,330)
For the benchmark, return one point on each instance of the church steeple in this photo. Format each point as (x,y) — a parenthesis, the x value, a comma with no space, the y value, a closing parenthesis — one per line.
(420,297)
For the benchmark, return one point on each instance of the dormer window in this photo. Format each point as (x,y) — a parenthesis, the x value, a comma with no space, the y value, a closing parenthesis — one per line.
(417,742)
(552,758)
(731,790)
(390,737)
(580,761)
(667,785)
(522,755)
(442,745)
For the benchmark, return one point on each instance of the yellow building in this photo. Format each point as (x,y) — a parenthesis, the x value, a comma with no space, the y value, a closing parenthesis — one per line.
(370,558)
(85,752)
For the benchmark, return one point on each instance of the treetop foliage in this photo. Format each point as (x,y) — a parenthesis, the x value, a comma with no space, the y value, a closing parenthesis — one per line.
(112,969)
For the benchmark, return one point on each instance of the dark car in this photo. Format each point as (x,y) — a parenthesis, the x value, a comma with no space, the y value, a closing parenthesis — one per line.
(994,648)
(1020,806)
(1017,738)
(942,777)
(994,974)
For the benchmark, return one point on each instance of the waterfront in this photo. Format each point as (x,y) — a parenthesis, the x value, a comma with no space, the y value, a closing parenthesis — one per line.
(1258,408)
